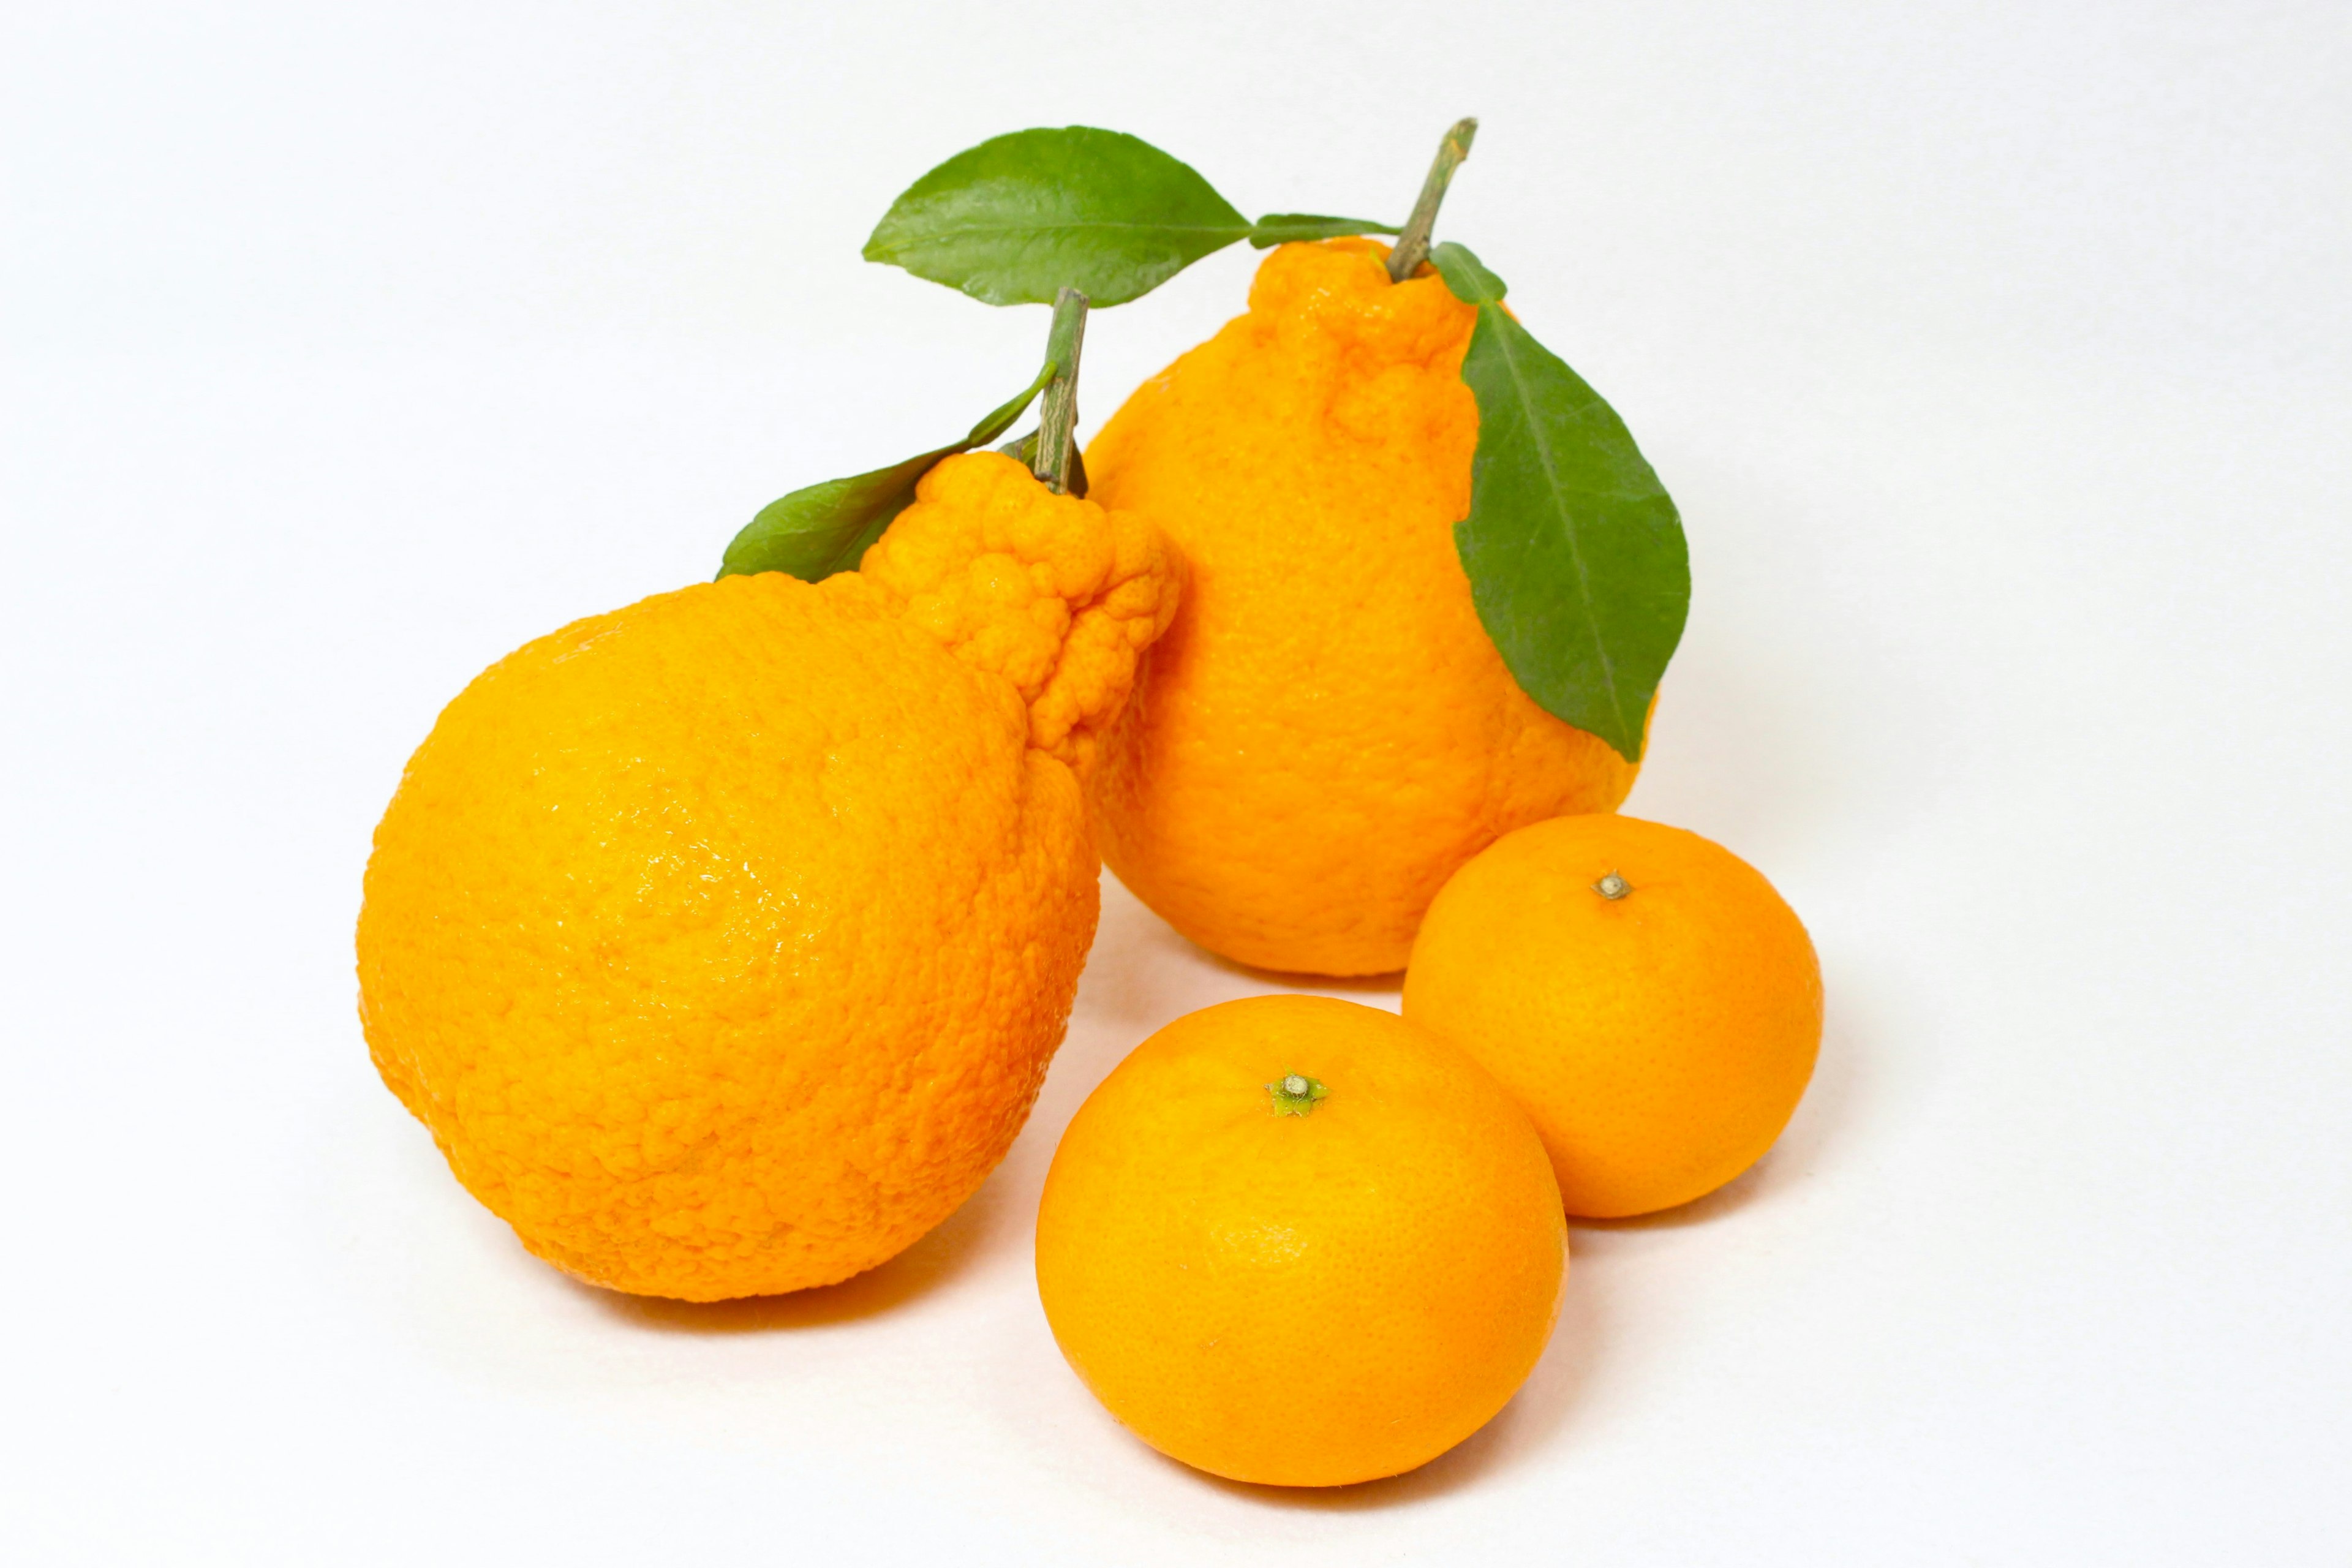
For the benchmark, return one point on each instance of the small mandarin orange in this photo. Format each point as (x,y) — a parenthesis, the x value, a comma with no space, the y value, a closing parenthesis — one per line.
(1299,1241)
(1644,993)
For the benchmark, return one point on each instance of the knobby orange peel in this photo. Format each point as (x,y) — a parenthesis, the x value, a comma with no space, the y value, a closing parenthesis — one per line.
(722,940)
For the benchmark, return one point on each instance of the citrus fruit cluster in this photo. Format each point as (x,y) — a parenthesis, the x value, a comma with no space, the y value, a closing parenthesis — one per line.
(722,941)
(1302,1242)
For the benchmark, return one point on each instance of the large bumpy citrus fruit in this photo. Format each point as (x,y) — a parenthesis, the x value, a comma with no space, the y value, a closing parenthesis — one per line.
(1644,993)
(1299,1241)
(722,940)
(1326,731)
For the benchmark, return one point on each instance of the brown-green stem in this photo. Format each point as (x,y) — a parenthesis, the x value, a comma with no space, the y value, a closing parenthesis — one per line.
(1059,416)
(1412,247)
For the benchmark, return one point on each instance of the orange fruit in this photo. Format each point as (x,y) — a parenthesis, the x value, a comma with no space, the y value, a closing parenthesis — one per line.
(1299,1241)
(1645,994)
(1326,731)
(722,940)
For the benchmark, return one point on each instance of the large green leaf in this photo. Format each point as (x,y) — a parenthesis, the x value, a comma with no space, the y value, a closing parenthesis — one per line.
(1015,219)
(827,528)
(1575,555)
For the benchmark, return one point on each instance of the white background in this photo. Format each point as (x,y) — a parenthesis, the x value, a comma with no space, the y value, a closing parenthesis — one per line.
(1996,353)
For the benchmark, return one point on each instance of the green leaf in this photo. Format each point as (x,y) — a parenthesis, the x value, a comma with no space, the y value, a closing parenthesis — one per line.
(1281,228)
(1013,220)
(827,528)
(1575,555)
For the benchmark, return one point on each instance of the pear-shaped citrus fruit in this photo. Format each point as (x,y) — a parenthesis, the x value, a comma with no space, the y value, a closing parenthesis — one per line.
(1326,731)
(1644,993)
(1301,1242)
(722,940)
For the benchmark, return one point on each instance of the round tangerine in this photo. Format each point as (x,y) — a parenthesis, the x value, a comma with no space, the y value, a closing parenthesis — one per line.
(1642,992)
(1299,1241)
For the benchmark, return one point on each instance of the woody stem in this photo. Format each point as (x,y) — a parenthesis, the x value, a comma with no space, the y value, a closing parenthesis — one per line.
(1059,416)
(1412,247)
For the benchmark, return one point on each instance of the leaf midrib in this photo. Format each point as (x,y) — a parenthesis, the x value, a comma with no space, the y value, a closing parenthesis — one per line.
(933,235)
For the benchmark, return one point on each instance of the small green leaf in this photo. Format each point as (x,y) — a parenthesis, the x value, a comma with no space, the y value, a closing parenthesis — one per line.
(998,419)
(1575,555)
(1281,228)
(1015,219)
(827,528)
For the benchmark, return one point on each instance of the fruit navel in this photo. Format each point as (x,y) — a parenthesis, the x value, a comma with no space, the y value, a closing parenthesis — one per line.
(1295,1094)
